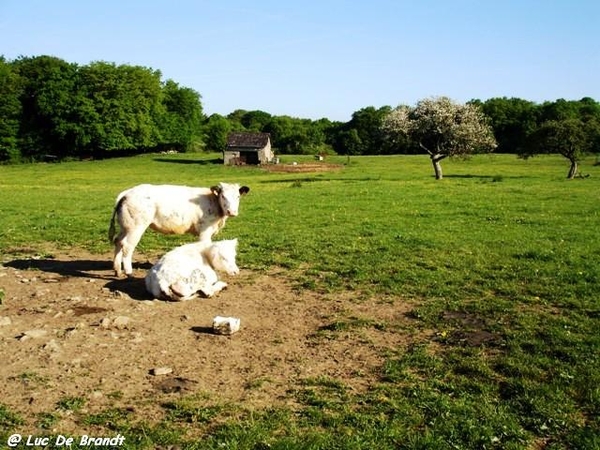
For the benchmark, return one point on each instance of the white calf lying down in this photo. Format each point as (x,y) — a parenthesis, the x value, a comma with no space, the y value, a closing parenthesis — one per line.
(170,209)
(189,270)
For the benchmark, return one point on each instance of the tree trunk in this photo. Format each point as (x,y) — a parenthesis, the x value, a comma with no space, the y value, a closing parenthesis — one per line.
(572,170)
(437,167)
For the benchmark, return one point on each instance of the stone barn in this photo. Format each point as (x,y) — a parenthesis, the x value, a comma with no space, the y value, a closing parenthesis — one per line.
(248,148)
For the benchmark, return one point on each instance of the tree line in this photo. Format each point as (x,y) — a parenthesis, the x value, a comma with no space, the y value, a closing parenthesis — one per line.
(52,108)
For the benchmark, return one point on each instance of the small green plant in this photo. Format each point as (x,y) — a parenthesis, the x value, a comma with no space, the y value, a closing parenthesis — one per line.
(31,379)
(46,421)
(115,395)
(71,403)
(112,418)
(8,419)
(257,383)
(189,411)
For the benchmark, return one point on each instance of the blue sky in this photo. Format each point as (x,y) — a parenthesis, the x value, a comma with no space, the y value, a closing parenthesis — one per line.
(326,58)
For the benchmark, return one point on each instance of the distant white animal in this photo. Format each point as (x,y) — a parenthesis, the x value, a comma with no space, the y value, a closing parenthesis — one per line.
(190,270)
(170,209)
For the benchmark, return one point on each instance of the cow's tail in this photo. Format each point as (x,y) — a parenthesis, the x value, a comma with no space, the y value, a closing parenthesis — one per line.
(116,210)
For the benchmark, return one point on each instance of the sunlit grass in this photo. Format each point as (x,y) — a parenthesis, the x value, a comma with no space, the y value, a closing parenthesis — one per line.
(501,259)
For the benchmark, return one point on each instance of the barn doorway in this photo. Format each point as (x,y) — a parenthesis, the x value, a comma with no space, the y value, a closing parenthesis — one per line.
(249,157)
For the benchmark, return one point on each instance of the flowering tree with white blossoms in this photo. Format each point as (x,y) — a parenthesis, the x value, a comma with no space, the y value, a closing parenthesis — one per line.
(442,128)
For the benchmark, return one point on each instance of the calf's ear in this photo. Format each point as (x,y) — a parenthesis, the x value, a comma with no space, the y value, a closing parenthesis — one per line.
(244,190)
(216,190)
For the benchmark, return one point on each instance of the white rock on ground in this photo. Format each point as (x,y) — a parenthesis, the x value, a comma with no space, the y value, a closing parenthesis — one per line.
(161,371)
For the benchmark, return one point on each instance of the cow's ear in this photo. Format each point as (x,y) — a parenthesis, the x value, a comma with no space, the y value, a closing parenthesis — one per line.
(216,190)
(244,190)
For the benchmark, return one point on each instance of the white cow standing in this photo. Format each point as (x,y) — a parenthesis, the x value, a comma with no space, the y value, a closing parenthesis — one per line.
(190,270)
(170,209)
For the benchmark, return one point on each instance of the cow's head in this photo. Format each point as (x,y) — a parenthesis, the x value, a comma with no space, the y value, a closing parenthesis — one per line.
(221,256)
(229,197)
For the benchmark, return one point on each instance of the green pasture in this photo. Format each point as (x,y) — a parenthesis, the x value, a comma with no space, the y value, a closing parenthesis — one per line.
(501,249)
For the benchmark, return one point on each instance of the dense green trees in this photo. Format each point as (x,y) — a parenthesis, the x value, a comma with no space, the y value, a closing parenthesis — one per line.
(569,128)
(10,112)
(512,120)
(362,135)
(52,108)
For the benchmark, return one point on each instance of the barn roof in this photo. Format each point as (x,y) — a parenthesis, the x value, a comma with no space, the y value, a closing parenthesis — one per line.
(247,139)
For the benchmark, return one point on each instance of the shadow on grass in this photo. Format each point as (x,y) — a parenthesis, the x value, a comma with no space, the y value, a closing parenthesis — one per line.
(487,177)
(200,162)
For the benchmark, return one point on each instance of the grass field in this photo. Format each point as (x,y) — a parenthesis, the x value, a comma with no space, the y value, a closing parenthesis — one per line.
(501,259)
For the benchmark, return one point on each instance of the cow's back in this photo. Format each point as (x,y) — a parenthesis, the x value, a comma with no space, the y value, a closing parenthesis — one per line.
(172,209)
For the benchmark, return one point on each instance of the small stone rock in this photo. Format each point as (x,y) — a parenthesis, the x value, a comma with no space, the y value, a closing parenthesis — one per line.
(33,334)
(161,371)
(226,325)
(70,332)
(5,320)
(105,323)
(52,346)
(121,322)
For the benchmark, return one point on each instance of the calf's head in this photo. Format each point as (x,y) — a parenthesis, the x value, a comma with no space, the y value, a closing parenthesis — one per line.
(229,197)
(221,256)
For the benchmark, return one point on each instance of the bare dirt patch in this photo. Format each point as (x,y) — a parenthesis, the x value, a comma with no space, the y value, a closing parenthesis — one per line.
(69,328)
(303,167)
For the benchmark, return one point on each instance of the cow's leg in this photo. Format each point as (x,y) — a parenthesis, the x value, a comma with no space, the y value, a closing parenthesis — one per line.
(214,289)
(219,286)
(206,232)
(118,258)
(183,291)
(128,245)
(205,235)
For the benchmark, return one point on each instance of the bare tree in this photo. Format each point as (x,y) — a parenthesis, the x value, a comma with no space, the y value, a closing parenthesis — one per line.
(442,128)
